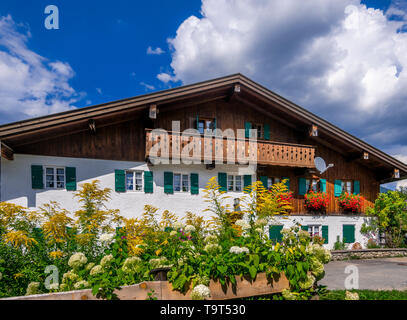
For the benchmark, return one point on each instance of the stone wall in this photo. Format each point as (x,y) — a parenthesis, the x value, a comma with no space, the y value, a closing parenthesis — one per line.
(368,253)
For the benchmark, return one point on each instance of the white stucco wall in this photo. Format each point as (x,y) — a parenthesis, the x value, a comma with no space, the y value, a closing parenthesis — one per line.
(16,184)
(334,223)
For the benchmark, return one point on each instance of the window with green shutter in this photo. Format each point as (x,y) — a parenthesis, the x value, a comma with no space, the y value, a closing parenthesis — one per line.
(348,233)
(222,181)
(322,185)
(120,180)
(264,181)
(287,182)
(70,176)
(37,178)
(266,132)
(356,187)
(247,128)
(275,233)
(148,182)
(194,183)
(338,188)
(302,186)
(325,234)
(247,180)
(168,182)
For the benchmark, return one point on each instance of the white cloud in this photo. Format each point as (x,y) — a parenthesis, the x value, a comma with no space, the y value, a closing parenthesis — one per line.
(157,51)
(147,86)
(165,77)
(30,85)
(337,58)
(99,90)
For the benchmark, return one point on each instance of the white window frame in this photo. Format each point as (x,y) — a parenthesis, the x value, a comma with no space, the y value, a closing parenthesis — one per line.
(315,229)
(344,187)
(55,168)
(134,180)
(181,180)
(234,183)
(309,183)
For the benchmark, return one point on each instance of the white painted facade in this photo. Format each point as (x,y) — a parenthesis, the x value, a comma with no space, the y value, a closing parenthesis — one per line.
(16,187)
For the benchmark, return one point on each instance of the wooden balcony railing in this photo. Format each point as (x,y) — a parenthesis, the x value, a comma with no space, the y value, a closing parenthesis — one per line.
(220,149)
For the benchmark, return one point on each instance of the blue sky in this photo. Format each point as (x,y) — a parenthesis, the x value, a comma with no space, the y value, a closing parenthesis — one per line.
(338,58)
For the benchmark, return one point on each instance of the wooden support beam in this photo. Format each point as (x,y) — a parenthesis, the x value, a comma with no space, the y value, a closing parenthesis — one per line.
(92,125)
(6,152)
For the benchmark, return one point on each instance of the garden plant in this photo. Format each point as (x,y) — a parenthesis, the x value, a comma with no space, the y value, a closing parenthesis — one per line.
(97,248)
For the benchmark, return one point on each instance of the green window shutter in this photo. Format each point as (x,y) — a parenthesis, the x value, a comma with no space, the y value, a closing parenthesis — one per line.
(356,187)
(264,180)
(247,180)
(325,234)
(287,183)
(247,127)
(70,176)
(348,233)
(266,132)
(168,182)
(322,184)
(275,233)
(338,188)
(148,182)
(194,183)
(222,181)
(37,179)
(302,186)
(120,180)
(305,228)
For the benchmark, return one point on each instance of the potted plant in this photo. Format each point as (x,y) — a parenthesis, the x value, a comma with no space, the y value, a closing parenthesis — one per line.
(316,201)
(351,202)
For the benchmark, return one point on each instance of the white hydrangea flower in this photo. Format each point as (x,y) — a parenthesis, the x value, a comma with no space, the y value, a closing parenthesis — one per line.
(243,224)
(200,292)
(81,285)
(33,288)
(96,270)
(213,248)
(238,250)
(173,233)
(71,276)
(106,260)
(351,295)
(189,228)
(259,230)
(211,239)
(106,237)
(130,264)
(261,222)
(77,260)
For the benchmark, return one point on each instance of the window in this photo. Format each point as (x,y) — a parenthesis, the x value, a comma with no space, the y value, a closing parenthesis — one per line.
(260,130)
(315,230)
(271,181)
(312,185)
(54,177)
(234,183)
(205,125)
(134,180)
(181,182)
(347,186)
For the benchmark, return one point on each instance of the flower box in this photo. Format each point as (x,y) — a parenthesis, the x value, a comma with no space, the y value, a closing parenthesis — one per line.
(163,290)
(351,203)
(316,201)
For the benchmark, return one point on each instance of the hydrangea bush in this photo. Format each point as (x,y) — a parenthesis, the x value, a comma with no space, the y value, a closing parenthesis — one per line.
(195,251)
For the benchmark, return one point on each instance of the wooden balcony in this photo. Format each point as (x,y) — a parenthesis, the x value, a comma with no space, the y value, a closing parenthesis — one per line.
(223,150)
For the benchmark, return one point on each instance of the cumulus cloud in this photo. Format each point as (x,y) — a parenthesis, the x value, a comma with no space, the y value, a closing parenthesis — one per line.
(339,59)
(30,85)
(157,51)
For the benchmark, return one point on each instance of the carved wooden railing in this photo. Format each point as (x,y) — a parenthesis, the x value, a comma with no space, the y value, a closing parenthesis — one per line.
(222,149)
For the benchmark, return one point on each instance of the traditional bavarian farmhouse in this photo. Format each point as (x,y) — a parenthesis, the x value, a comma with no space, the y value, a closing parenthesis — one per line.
(45,158)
